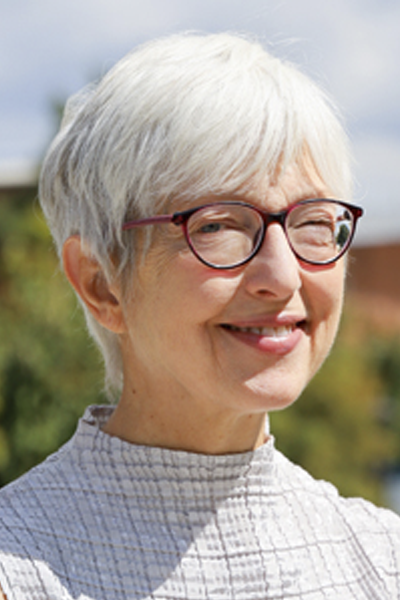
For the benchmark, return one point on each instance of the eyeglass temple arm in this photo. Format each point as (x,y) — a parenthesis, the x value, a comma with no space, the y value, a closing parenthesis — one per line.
(148,221)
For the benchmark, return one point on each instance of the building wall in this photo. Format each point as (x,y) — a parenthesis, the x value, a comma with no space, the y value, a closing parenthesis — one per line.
(376,270)
(374,282)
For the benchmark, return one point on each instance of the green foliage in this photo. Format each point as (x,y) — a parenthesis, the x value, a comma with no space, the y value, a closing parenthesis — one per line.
(384,356)
(49,371)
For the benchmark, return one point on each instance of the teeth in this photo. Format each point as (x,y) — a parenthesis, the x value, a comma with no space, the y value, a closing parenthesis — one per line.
(281,331)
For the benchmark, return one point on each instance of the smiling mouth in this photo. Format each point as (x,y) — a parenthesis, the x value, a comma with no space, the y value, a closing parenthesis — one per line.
(281,331)
(275,332)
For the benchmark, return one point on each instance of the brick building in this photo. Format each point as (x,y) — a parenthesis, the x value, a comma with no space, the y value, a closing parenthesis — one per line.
(374,282)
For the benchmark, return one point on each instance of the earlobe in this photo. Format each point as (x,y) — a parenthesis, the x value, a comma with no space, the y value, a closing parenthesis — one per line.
(87,278)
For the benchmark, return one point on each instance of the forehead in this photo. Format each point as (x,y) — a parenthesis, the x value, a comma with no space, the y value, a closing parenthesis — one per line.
(298,181)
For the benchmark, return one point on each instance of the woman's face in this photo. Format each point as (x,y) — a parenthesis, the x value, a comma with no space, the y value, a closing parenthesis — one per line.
(232,343)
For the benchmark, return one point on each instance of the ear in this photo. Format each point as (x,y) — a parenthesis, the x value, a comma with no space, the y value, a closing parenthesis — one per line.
(87,278)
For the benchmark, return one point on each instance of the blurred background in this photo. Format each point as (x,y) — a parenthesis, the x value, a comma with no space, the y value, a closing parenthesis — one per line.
(346,427)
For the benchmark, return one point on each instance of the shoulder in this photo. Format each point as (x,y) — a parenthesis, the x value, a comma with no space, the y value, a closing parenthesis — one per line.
(26,503)
(39,510)
(354,524)
(294,481)
(37,496)
(31,509)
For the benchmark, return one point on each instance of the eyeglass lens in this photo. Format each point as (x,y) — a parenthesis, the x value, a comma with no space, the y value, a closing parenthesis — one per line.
(226,235)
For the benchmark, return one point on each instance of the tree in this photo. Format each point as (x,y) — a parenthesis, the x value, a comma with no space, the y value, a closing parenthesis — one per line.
(49,370)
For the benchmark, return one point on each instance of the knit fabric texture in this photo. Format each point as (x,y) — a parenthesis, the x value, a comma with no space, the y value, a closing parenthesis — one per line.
(103,519)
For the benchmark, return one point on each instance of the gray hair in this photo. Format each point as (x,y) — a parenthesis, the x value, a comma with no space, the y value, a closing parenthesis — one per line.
(180,117)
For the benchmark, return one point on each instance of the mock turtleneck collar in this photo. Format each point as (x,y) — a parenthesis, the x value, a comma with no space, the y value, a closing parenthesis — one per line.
(178,474)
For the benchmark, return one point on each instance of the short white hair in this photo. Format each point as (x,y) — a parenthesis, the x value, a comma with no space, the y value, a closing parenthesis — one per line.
(180,117)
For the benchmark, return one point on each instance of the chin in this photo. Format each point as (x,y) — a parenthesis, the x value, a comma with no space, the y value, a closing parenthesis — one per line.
(264,398)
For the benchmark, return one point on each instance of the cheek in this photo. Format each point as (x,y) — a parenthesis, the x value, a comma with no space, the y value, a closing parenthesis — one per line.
(335,292)
(202,290)
(178,293)
(325,300)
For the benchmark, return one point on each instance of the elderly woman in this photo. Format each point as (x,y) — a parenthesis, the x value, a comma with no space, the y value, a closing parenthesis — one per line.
(198,197)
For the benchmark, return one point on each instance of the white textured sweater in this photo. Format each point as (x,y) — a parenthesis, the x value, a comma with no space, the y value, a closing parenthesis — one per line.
(107,520)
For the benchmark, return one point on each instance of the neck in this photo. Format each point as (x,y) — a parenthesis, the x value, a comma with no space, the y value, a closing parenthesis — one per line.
(182,425)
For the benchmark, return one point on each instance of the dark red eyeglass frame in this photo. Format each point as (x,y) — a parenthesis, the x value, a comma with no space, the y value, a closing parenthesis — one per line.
(181,218)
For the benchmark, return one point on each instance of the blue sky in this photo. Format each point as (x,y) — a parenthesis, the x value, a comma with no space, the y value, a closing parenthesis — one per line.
(51,48)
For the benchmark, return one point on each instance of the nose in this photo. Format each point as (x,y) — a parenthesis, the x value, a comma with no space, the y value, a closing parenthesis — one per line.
(275,270)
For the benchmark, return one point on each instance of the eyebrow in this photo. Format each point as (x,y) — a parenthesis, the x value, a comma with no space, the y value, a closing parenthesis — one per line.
(182,203)
(258,201)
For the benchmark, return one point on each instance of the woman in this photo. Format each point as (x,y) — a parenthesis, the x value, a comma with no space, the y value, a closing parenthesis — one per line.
(198,197)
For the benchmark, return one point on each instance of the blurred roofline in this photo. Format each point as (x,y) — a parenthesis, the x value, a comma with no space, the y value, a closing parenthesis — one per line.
(18,175)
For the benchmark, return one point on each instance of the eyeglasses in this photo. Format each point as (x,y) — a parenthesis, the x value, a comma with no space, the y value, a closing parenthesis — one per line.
(225,235)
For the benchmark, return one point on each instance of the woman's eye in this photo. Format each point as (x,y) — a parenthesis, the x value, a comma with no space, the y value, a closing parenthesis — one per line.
(317,223)
(210,228)
(327,224)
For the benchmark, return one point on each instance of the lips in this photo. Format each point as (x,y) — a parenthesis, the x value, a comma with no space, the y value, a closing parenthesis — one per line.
(272,338)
